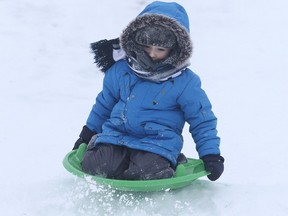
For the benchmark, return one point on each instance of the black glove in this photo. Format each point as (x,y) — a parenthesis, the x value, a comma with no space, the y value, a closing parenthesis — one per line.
(103,52)
(84,137)
(215,165)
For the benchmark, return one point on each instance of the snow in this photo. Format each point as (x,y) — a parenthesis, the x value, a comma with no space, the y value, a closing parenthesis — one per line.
(49,83)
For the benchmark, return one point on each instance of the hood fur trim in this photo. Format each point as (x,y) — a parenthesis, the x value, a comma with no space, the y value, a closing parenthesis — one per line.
(179,55)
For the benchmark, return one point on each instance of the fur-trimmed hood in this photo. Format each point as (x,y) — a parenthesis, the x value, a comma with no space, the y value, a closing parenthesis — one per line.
(169,15)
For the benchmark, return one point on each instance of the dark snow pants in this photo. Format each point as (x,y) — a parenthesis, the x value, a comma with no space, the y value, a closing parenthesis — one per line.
(119,162)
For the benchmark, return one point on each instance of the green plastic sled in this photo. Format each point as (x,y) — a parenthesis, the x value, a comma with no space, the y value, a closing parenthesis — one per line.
(185,175)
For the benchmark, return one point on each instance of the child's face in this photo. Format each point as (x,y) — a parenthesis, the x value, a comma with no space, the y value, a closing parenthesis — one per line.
(157,53)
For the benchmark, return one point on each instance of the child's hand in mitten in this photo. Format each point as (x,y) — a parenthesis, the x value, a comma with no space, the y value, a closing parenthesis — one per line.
(213,164)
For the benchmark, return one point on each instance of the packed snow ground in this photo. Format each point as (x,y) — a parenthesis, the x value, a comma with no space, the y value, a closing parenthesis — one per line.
(49,82)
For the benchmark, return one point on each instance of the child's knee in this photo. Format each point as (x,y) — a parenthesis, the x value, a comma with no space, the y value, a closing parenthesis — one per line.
(105,160)
(88,162)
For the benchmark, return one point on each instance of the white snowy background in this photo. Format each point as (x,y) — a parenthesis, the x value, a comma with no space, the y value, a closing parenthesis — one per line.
(48,83)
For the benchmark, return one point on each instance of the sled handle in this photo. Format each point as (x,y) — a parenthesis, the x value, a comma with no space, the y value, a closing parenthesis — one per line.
(180,170)
(80,152)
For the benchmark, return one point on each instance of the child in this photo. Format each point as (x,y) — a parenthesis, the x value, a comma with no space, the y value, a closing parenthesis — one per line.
(146,99)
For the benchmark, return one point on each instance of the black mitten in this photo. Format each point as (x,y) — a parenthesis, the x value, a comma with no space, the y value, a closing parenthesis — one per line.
(103,52)
(215,165)
(84,137)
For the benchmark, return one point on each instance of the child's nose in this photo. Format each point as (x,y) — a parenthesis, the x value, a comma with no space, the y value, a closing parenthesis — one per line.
(152,54)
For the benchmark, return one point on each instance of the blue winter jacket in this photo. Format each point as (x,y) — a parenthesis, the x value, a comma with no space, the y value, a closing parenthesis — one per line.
(140,114)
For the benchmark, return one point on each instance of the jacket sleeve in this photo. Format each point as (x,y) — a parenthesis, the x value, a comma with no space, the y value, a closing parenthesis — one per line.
(105,101)
(198,113)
